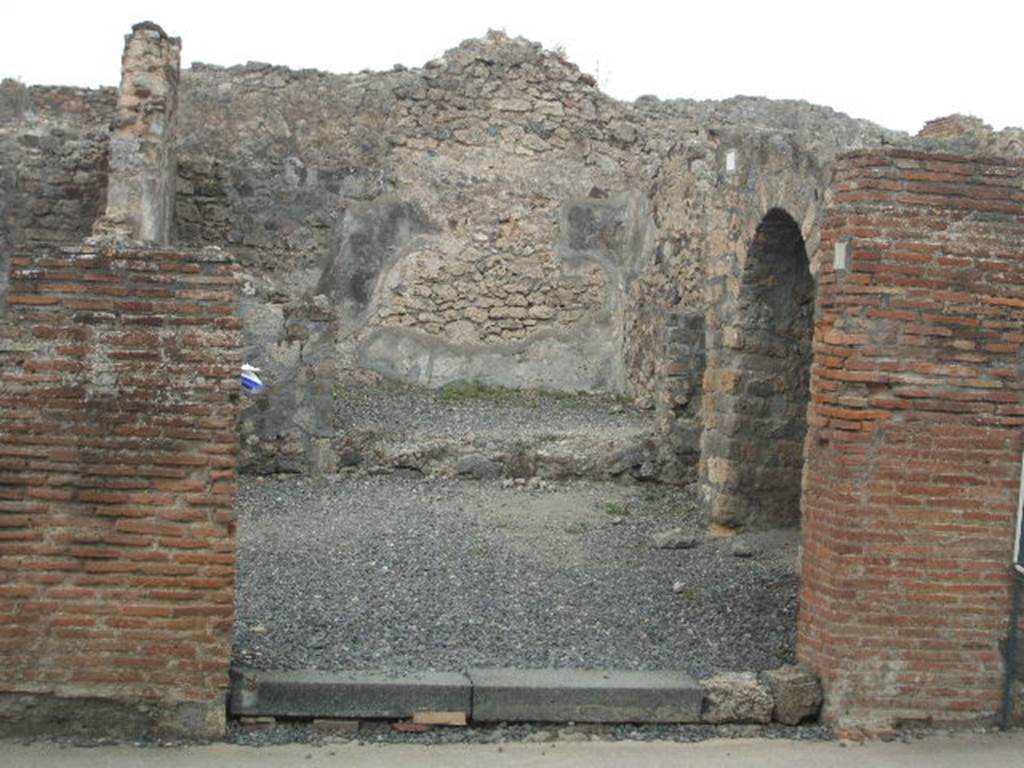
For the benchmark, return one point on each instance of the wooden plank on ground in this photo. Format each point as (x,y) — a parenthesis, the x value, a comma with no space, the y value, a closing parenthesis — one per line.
(433,717)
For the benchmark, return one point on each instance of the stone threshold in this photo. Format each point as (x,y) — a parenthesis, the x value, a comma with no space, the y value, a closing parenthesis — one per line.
(484,695)
(788,695)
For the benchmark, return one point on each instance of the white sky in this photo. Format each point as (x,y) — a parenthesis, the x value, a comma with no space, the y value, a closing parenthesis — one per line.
(897,62)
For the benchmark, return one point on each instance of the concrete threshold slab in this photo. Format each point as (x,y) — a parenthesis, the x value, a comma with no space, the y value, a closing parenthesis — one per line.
(588,696)
(369,695)
(485,695)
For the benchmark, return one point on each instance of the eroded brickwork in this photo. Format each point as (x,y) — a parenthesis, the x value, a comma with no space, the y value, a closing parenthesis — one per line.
(118,449)
(914,444)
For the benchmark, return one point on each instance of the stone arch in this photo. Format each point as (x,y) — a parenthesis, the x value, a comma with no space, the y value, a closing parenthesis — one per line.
(756,384)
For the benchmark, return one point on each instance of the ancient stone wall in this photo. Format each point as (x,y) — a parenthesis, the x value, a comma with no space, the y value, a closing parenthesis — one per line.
(469,220)
(493,216)
(755,404)
(490,216)
(914,445)
(679,387)
(54,145)
(713,193)
(118,447)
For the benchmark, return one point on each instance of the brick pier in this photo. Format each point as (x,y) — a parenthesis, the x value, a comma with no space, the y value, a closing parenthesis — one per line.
(118,445)
(915,437)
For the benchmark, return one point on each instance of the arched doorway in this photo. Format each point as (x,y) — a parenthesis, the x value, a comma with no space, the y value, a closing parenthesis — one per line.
(756,389)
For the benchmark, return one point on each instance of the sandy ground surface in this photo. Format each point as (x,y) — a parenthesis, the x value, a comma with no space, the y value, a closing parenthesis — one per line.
(977,750)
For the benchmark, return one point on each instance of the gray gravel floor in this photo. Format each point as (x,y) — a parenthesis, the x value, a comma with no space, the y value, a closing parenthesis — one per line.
(408,573)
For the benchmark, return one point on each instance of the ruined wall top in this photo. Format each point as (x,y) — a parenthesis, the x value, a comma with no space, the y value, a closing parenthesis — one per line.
(149,82)
(969,135)
(142,176)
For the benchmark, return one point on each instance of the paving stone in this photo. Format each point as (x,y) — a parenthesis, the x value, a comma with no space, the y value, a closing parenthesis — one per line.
(310,694)
(550,695)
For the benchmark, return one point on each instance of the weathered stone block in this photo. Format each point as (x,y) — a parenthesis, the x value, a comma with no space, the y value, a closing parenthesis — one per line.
(30,715)
(736,697)
(310,694)
(553,695)
(478,467)
(797,693)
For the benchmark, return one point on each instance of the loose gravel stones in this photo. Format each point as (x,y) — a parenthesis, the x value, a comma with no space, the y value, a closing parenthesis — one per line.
(677,538)
(402,574)
(740,547)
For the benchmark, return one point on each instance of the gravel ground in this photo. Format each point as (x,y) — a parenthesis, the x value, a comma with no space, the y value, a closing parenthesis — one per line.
(405,414)
(399,573)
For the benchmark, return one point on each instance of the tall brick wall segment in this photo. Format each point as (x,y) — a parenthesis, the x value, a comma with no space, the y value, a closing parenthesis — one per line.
(915,435)
(119,403)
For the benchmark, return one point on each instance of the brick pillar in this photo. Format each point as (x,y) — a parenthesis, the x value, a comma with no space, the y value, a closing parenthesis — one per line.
(914,444)
(119,401)
(140,192)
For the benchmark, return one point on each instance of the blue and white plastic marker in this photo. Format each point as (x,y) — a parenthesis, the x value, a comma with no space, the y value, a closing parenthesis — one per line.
(250,381)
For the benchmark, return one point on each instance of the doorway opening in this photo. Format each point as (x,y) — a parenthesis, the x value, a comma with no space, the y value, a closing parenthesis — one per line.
(756,420)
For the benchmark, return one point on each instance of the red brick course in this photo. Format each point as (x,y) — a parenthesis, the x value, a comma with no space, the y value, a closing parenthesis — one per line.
(118,446)
(914,443)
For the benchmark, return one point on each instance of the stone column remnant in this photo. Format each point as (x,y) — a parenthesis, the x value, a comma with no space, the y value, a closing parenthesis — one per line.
(140,193)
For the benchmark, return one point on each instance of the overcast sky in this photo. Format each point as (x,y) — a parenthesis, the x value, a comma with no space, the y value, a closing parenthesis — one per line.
(897,62)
